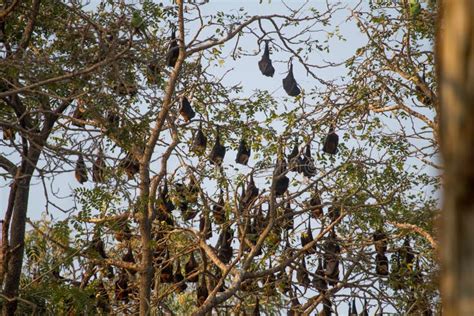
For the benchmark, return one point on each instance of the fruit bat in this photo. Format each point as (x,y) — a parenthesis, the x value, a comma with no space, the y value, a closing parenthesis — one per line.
(307,163)
(188,195)
(181,201)
(331,261)
(199,142)
(420,95)
(122,291)
(293,159)
(406,253)
(173,51)
(332,270)
(265,64)
(205,226)
(153,72)
(260,220)
(331,142)
(201,292)
(281,185)
(178,279)
(128,256)
(130,165)
(243,153)
(306,238)
(164,202)
(380,241)
(190,268)
(217,277)
(193,190)
(302,275)
(417,274)
(98,247)
(218,152)
(224,245)
(281,180)
(334,212)
(98,169)
(167,218)
(253,234)
(250,194)
(185,110)
(218,210)
(81,170)
(123,233)
(319,281)
(288,219)
(331,246)
(113,120)
(315,205)
(166,275)
(290,85)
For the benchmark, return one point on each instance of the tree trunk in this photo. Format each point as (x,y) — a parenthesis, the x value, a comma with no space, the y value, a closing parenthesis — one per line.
(456,74)
(17,230)
(146,268)
(146,273)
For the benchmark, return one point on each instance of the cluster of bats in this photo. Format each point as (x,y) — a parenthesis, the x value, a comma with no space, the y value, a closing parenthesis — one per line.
(301,163)
(327,272)
(187,195)
(289,83)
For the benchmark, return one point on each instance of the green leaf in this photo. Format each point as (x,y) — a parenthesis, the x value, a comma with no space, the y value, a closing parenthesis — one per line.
(415,8)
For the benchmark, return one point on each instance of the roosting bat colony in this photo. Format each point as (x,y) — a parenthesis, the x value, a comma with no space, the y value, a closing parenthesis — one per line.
(198,157)
(182,196)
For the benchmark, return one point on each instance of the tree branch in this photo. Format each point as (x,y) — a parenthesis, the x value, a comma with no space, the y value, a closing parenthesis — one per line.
(7,165)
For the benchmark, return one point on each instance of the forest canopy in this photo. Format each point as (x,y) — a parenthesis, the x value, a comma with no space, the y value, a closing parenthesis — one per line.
(189,157)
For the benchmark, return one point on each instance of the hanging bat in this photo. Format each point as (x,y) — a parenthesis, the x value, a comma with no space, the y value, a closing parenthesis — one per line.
(290,85)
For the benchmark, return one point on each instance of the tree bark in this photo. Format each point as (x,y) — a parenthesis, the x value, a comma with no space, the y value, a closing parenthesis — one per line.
(17,231)
(146,201)
(456,77)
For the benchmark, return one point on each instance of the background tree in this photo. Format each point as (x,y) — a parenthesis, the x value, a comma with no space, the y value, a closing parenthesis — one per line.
(455,43)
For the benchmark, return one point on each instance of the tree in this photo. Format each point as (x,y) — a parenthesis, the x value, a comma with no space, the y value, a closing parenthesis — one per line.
(133,91)
(455,44)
